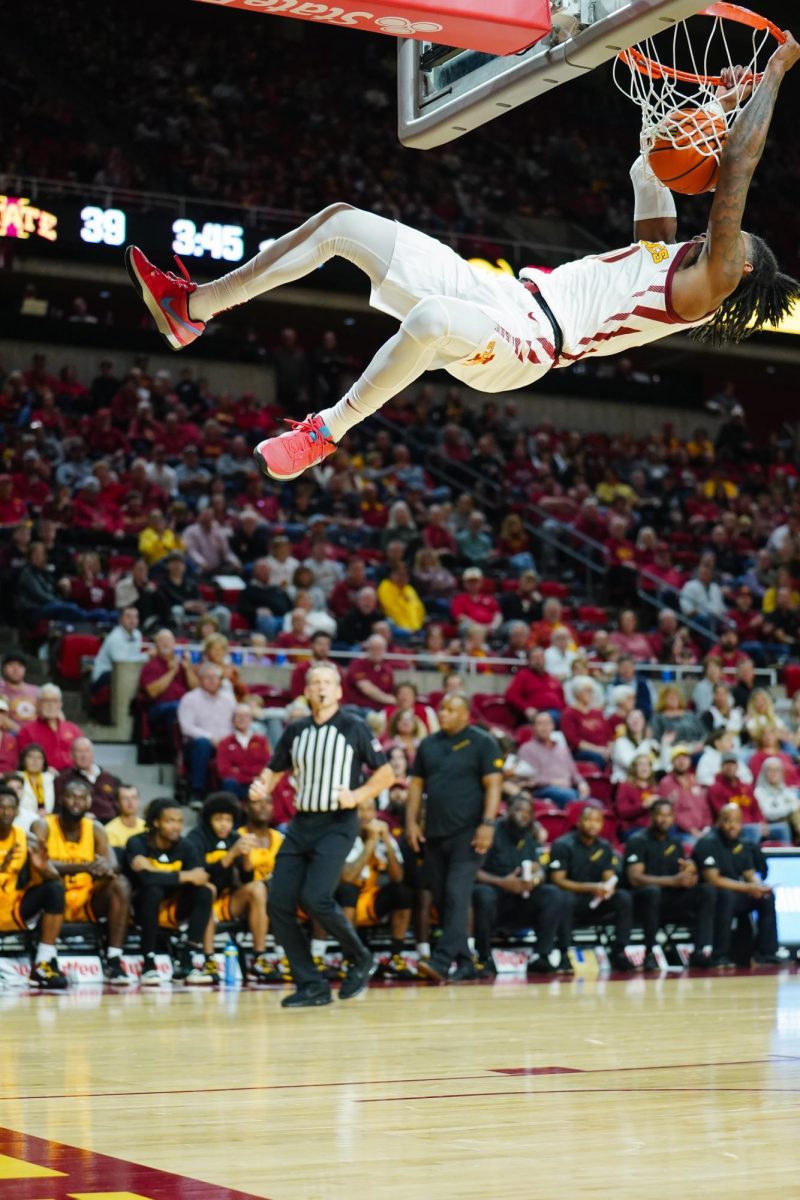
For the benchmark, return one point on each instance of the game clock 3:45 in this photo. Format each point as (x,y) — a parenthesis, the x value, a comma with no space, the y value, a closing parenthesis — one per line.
(210,238)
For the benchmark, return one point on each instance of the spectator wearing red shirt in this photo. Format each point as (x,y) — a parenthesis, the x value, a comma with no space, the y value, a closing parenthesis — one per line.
(670,579)
(50,730)
(473,606)
(769,746)
(320,656)
(90,591)
(552,616)
(163,681)
(242,755)
(748,621)
(102,437)
(728,650)
(407,700)
(532,689)
(369,681)
(635,795)
(628,640)
(436,535)
(693,816)
(344,594)
(727,788)
(589,734)
(13,510)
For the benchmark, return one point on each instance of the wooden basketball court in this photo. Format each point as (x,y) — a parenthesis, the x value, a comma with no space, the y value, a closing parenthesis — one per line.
(660,1086)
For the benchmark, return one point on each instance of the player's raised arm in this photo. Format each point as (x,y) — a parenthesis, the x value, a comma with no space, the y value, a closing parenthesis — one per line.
(655,218)
(737,273)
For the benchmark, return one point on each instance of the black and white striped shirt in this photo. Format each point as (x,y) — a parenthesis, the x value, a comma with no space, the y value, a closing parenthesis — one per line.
(324,758)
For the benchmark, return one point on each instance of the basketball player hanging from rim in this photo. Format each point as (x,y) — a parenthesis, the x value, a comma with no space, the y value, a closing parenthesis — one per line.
(492,331)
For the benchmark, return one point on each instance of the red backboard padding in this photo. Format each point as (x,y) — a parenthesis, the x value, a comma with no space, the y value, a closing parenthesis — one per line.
(499,27)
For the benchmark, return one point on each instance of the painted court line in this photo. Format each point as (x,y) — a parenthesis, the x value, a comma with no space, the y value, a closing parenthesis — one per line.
(486,1075)
(578,1091)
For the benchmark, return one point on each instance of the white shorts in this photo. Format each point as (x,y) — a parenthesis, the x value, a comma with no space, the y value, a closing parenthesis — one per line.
(518,346)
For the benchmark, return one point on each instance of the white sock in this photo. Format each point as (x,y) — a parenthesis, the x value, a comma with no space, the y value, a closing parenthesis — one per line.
(279,951)
(114,952)
(423,949)
(46,953)
(318,947)
(471,944)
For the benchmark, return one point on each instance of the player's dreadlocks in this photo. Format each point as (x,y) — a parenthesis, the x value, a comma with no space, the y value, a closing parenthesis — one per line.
(763,297)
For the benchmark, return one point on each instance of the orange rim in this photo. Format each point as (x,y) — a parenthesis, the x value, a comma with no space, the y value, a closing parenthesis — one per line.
(728,12)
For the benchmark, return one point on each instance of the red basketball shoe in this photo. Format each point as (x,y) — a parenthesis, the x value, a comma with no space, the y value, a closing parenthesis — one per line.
(305,445)
(167,297)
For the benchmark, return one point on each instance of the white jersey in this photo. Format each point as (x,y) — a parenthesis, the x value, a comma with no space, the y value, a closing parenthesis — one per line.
(608,303)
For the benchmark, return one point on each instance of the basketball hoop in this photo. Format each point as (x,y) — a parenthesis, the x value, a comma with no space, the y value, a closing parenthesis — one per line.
(682,72)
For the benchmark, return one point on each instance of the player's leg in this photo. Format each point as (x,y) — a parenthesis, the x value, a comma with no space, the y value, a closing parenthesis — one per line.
(111,898)
(47,898)
(180,308)
(252,901)
(438,331)
(363,238)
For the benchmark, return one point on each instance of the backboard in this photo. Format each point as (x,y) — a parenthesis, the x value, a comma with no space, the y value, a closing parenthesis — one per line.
(444,92)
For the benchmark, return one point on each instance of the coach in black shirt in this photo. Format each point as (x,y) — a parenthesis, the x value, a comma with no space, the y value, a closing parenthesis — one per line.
(732,866)
(326,753)
(665,886)
(458,770)
(585,866)
(503,896)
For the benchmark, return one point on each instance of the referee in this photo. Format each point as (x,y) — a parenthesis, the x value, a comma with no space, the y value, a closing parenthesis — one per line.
(459,771)
(326,753)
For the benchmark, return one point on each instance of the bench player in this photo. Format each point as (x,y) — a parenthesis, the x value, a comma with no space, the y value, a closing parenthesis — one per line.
(494,332)
(29,886)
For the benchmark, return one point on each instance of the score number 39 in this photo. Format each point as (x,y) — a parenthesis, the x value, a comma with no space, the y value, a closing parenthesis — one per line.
(212,239)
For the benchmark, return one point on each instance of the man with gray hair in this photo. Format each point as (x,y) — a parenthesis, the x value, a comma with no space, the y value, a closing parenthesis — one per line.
(205,715)
(50,729)
(86,770)
(369,682)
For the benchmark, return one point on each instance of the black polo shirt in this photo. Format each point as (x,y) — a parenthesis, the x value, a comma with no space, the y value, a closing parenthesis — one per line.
(510,849)
(452,769)
(658,856)
(583,864)
(731,859)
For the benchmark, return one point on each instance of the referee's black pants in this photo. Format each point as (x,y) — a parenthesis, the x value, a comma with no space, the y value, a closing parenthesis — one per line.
(655,906)
(452,865)
(308,869)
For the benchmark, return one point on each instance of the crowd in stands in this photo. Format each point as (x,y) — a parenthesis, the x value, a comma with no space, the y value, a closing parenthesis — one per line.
(221,127)
(130,508)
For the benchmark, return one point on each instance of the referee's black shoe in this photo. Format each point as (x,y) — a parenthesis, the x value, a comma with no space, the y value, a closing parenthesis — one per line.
(358,977)
(308,997)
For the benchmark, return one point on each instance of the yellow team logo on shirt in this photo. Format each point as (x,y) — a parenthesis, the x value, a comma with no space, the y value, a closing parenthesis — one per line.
(657,251)
(482,357)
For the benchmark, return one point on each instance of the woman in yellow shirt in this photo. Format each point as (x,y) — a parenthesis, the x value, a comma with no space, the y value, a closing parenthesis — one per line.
(401,603)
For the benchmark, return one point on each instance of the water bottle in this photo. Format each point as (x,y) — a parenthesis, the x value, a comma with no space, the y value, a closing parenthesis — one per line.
(231,955)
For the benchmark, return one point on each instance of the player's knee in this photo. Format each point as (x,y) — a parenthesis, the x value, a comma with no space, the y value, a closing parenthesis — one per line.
(403,896)
(257,893)
(121,886)
(428,320)
(333,211)
(53,897)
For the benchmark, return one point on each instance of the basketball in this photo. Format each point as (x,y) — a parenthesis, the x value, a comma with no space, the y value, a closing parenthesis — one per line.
(685,158)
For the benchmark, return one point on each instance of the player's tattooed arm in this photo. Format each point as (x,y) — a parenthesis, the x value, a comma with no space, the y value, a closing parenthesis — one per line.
(724,253)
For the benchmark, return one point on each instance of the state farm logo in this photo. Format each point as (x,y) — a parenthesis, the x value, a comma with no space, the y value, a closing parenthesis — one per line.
(396,26)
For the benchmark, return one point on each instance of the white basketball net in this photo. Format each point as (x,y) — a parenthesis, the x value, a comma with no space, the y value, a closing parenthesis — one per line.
(659,94)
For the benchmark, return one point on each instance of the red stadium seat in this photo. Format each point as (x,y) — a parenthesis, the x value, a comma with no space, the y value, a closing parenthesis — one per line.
(551,587)
(591,614)
(72,649)
(790,678)
(494,711)
(523,734)
(554,823)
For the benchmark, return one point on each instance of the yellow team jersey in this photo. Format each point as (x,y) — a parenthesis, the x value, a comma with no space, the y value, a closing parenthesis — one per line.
(79,887)
(119,835)
(13,856)
(263,857)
